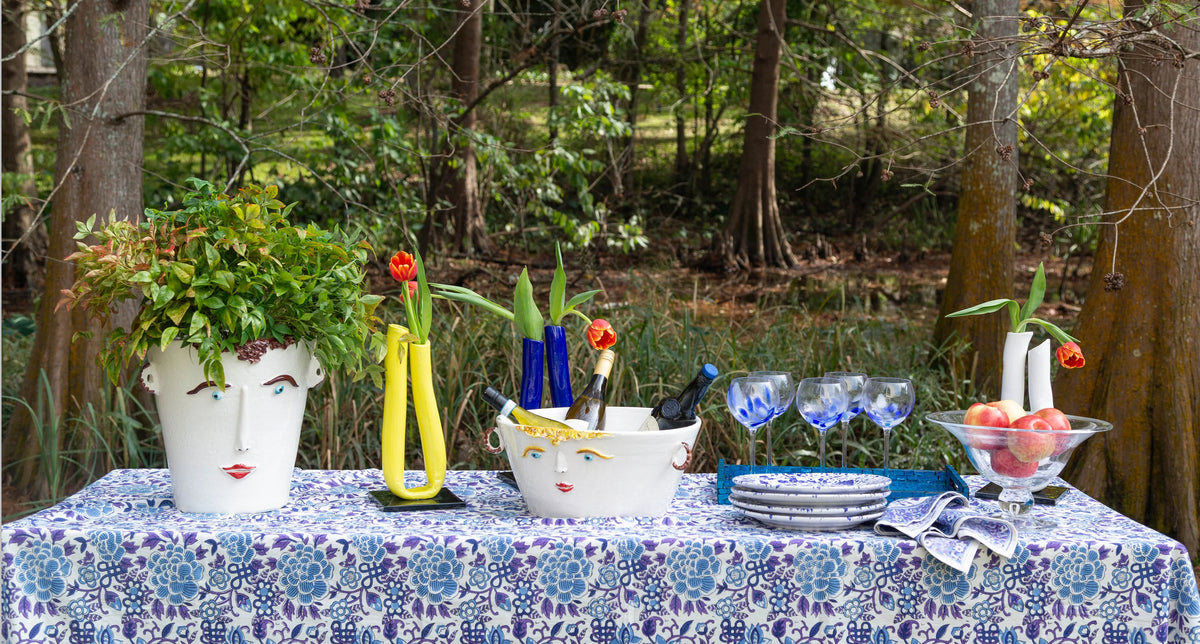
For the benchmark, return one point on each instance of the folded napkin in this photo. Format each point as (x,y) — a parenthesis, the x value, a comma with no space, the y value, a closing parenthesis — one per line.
(948,528)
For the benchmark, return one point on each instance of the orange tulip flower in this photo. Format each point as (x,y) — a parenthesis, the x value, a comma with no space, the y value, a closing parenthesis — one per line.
(1070,355)
(601,334)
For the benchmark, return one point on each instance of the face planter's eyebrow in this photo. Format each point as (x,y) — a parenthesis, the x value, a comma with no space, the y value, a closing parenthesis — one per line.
(588,450)
(283,378)
(204,385)
(532,448)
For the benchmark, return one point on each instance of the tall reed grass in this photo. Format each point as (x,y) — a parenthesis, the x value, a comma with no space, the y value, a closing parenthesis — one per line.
(663,340)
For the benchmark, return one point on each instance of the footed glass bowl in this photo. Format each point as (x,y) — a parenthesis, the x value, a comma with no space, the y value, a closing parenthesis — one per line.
(1019,460)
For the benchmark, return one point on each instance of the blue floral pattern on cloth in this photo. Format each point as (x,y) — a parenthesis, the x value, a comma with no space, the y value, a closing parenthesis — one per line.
(118,563)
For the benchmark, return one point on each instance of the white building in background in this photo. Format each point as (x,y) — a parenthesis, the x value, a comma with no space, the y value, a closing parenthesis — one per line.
(39,61)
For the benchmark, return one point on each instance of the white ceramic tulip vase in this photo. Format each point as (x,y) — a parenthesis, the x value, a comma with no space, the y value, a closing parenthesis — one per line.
(232,450)
(1014,375)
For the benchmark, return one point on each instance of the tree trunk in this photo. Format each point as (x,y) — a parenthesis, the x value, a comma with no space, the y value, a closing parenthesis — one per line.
(754,235)
(981,262)
(98,170)
(24,234)
(681,155)
(1142,341)
(624,165)
(470,231)
(552,89)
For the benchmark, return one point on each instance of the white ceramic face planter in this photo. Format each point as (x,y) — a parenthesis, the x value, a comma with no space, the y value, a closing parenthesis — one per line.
(618,472)
(232,449)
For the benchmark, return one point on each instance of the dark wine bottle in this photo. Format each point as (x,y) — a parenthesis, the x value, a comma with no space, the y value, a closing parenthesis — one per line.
(589,405)
(680,410)
(508,407)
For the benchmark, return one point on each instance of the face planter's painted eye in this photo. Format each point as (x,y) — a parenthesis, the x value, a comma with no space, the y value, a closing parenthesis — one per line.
(533,452)
(590,455)
(281,382)
(217,393)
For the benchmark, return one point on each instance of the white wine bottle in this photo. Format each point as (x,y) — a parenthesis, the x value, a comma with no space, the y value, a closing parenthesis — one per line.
(508,407)
(589,405)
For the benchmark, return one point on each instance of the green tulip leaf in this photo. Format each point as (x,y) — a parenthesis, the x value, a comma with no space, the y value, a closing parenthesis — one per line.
(528,317)
(979,309)
(1053,329)
(467,296)
(424,303)
(1037,294)
(580,299)
(558,289)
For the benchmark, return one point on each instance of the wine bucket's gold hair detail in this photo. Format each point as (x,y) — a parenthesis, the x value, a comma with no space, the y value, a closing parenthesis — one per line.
(556,436)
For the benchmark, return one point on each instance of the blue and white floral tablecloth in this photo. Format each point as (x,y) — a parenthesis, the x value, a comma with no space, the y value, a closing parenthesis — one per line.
(118,563)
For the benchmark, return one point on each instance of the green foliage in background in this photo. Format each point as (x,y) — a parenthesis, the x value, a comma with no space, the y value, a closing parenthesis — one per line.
(348,109)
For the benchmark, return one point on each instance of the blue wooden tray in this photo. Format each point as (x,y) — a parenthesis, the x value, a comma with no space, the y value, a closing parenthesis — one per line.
(905,483)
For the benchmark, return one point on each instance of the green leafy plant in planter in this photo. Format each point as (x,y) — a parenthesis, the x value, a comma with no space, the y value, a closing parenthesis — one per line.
(225,270)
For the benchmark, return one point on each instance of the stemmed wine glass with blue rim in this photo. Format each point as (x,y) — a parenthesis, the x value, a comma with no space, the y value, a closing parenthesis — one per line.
(786,388)
(752,401)
(822,402)
(887,402)
(854,382)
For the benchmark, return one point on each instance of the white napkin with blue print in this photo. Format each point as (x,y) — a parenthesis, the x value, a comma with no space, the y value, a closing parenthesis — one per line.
(948,528)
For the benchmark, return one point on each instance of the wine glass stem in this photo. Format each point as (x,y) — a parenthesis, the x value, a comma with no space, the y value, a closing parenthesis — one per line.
(767,458)
(887,444)
(822,441)
(845,427)
(752,441)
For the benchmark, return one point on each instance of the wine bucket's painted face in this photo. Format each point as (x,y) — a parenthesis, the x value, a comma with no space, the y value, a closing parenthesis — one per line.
(566,457)
(243,436)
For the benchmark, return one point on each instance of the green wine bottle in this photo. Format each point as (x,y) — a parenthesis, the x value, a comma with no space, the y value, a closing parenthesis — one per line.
(589,405)
(680,411)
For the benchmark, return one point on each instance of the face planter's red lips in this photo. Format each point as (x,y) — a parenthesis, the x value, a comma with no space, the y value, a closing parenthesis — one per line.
(239,471)
(564,487)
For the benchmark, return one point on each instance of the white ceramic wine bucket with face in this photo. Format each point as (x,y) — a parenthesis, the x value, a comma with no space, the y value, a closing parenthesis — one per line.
(620,471)
(232,449)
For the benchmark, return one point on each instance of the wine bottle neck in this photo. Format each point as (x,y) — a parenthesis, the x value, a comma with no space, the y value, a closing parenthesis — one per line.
(604,363)
(509,405)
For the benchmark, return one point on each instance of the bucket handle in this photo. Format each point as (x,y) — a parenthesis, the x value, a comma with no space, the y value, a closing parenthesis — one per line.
(686,461)
(487,441)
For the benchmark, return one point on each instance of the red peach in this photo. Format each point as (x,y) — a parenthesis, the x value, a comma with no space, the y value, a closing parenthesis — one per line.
(1031,446)
(1005,464)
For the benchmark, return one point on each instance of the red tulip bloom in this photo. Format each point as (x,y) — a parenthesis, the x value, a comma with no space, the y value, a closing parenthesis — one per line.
(403,268)
(1070,355)
(601,335)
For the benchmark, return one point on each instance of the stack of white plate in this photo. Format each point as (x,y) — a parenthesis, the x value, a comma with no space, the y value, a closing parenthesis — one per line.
(811,500)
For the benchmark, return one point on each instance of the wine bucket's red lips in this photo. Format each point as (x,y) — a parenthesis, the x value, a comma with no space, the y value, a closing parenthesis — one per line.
(239,471)
(564,487)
